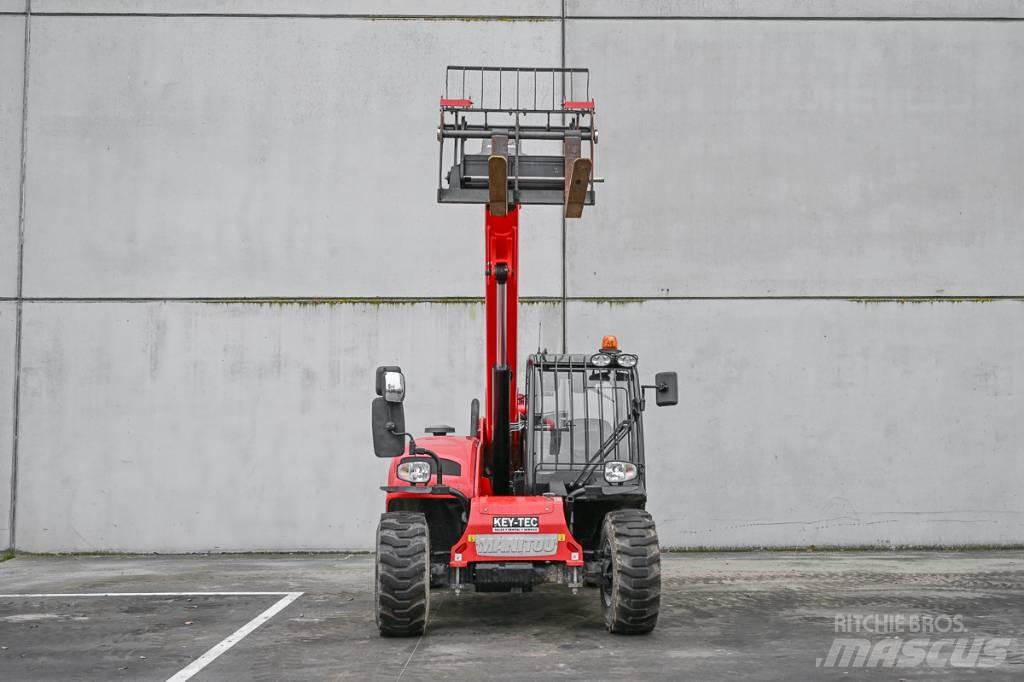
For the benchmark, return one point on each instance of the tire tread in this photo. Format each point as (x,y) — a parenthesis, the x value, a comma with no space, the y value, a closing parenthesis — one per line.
(403,574)
(636,557)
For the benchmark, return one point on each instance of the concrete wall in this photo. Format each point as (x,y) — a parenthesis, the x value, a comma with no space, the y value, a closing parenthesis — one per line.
(7,336)
(890,163)
(227,426)
(770,165)
(12,53)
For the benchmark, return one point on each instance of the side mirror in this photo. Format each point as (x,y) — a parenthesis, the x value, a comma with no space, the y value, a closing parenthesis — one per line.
(391,384)
(666,389)
(388,428)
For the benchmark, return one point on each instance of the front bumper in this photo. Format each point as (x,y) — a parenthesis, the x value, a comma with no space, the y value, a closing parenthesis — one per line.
(512,543)
(517,528)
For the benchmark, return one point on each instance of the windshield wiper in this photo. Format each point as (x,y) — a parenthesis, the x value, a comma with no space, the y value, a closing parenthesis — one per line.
(613,439)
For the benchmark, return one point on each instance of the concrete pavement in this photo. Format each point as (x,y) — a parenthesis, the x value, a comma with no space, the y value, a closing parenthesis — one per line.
(769,616)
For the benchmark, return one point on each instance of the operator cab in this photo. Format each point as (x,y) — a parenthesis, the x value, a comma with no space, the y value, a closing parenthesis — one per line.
(584,425)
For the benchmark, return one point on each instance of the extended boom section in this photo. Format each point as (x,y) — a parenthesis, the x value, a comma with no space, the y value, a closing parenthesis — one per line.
(501,237)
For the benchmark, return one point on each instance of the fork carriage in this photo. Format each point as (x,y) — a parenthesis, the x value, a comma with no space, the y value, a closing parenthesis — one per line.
(507,112)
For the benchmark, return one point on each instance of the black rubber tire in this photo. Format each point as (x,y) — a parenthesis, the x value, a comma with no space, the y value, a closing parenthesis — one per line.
(631,572)
(402,582)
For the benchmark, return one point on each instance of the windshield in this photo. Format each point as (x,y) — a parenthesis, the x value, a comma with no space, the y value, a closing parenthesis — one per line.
(574,411)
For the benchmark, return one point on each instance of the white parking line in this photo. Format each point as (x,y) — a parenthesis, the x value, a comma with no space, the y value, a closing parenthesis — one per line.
(148,594)
(206,659)
(234,638)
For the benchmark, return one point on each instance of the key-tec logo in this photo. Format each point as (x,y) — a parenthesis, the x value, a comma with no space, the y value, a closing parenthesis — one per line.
(515,524)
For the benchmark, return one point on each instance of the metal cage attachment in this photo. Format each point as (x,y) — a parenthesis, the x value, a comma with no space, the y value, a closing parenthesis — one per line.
(576,408)
(535,126)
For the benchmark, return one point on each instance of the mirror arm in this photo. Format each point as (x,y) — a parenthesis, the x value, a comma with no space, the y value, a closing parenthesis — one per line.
(643,397)
(657,388)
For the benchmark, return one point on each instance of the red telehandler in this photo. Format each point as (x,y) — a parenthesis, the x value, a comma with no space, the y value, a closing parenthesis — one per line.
(550,484)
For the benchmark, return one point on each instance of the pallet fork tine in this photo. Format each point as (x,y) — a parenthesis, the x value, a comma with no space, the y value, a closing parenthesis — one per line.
(576,192)
(497,184)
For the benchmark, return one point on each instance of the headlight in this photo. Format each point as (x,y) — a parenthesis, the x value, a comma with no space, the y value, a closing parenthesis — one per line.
(414,472)
(619,472)
(626,360)
(600,359)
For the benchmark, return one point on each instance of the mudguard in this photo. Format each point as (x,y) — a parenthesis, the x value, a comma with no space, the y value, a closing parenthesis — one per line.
(462,451)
